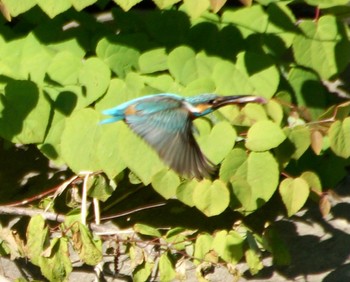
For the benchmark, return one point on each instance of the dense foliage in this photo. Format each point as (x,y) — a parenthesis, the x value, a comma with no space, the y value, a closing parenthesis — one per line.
(63,62)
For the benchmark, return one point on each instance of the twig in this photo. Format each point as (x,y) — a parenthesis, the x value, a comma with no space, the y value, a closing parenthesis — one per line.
(134,210)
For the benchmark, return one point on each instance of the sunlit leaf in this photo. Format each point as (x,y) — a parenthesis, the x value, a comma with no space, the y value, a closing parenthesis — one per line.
(294,193)
(126,5)
(339,136)
(36,240)
(264,135)
(165,183)
(211,198)
(256,180)
(229,246)
(52,8)
(80,139)
(314,46)
(153,61)
(147,230)
(185,191)
(165,3)
(166,268)
(195,8)
(202,246)
(219,143)
(231,163)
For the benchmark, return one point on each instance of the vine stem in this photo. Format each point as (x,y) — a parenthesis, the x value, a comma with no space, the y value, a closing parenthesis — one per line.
(100,229)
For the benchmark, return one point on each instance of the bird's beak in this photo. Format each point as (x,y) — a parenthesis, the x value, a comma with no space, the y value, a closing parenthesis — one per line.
(241,99)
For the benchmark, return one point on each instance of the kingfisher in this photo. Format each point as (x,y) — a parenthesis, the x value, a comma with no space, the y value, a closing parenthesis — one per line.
(165,122)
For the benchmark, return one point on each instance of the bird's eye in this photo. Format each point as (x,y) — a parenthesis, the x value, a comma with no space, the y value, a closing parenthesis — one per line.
(212,102)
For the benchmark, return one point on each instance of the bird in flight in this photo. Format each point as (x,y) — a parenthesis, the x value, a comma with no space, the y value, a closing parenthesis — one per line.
(165,122)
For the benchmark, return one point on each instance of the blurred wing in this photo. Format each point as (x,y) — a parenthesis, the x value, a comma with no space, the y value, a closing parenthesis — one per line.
(169,132)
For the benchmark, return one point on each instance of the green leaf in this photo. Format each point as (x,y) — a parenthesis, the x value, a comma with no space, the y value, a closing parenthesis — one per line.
(184,192)
(312,180)
(231,163)
(219,143)
(147,230)
(185,66)
(95,78)
(309,91)
(200,85)
(98,187)
(256,180)
(253,112)
(326,3)
(52,7)
(211,198)
(339,136)
(275,111)
(126,5)
(230,80)
(153,61)
(161,4)
(80,139)
(120,91)
(263,73)
(24,113)
(162,83)
(177,237)
(294,193)
(90,250)
(202,246)
(165,183)
(56,265)
(119,57)
(166,268)
(195,8)
(248,20)
(36,240)
(264,135)
(65,68)
(35,59)
(81,4)
(253,254)
(301,139)
(229,246)
(142,272)
(253,260)
(15,8)
(314,46)
(108,151)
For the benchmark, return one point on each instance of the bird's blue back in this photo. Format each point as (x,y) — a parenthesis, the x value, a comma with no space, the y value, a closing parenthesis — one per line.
(147,105)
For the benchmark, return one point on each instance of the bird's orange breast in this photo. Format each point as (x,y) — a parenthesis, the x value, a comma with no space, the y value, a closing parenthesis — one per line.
(202,107)
(131,110)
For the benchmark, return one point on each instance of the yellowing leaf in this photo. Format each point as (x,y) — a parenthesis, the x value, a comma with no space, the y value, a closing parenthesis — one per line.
(294,193)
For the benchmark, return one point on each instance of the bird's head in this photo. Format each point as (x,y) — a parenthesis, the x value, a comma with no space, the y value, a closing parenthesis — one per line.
(207,103)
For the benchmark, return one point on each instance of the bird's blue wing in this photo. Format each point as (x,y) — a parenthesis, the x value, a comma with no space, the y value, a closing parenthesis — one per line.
(169,131)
